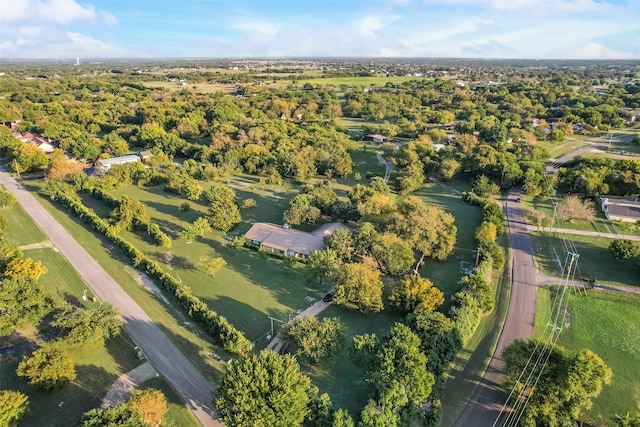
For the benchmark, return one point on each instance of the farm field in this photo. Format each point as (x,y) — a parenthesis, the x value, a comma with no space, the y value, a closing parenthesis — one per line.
(595,260)
(360,81)
(607,323)
(194,87)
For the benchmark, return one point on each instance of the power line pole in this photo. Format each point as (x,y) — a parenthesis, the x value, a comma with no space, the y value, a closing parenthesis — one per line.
(555,208)
(15,162)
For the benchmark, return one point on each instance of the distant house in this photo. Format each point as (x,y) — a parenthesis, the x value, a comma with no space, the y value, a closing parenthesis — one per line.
(449,126)
(145,155)
(104,165)
(286,241)
(377,139)
(43,144)
(617,208)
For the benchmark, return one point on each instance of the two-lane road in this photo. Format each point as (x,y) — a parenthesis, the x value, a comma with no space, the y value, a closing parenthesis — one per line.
(484,406)
(165,357)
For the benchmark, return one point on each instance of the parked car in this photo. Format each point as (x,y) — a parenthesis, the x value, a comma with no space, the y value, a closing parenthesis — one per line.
(328,297)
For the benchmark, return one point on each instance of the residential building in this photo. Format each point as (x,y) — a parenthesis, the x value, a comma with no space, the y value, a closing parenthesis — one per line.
(377,139)
(286,241)
(618,208)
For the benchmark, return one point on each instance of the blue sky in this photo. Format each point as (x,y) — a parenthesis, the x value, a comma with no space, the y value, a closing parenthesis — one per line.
(540,29)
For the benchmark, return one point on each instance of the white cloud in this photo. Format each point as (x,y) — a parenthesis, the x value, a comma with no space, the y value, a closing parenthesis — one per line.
(593,50)
(535,7)
(256,26)
(370,25)
(39,12)
(47,43)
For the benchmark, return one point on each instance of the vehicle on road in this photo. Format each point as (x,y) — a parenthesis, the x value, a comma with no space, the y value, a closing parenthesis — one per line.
(328,297)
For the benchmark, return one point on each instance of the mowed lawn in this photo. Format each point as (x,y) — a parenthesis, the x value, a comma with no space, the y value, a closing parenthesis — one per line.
(96,369)
(608,323)
(446,275)
(250,287)
(341,379)
(21,230)
(595,260)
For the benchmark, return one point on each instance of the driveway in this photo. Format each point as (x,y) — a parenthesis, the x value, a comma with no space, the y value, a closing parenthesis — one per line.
(165,357)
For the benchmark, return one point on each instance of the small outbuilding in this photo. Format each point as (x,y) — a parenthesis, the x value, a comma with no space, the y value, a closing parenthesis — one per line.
(104,165)
(618,208)
(377,138)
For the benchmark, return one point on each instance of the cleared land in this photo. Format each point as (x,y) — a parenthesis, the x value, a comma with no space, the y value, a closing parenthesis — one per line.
(607,323)
(595,259)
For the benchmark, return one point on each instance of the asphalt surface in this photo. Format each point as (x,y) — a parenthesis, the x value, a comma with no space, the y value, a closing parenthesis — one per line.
(165,357)
(486,402)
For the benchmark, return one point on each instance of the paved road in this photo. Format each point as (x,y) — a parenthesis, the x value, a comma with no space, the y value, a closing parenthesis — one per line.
(165,357)
(485,404)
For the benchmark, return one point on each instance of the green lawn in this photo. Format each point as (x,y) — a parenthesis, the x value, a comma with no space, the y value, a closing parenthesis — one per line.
(446,275)
(21,229)
(595,259)
(177,413)
(599,224)
(341,379)
(96,370)
(565,147)
(190,339)
(609,324)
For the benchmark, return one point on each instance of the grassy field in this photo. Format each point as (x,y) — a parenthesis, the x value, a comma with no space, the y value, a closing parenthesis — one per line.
(446,275)
(189,338)
(599,224)
(193,87)
(21,229)
(96,370)
(359,81)
(566,147)
(595,259)
(607,323)
(341,379)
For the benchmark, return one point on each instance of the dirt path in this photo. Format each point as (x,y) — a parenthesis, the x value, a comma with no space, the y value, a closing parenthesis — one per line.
(39,245)
(122,388)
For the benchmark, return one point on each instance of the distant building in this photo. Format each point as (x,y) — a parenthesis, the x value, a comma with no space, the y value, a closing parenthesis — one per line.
(617,208)
(145,155)
(104,165)
(377,139)
(286,241)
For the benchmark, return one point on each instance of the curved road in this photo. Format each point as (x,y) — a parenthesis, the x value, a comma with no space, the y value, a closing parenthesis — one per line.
(165,357)
(484,406)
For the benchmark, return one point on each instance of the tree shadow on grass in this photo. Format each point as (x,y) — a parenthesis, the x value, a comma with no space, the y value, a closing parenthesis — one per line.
(65,406)
(172,210)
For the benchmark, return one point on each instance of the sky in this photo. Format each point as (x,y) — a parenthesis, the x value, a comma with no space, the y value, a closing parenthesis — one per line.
(536,29)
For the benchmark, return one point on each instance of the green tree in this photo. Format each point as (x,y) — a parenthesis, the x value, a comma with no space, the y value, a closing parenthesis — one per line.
(118,415)
(318,340)
(301,211)
(223,214)
(323,264)
(29,158)
(340,241)
(22,302)
(13,405)
(212,264)
(88,327)
(7,198)
(264,389)
(129,213)
(392,253)
(565,389)
(624,249)
(359,284)
(3,225)
(416,293)
(201,226)
(151,403)
(484,188)
(48,367)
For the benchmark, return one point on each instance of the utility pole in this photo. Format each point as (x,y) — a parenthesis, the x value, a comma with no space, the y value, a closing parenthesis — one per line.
(555,208)
(15,162)
(272,319)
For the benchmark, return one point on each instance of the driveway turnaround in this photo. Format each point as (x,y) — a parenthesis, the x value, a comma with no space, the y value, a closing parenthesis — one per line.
(165,357)
(486,402)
